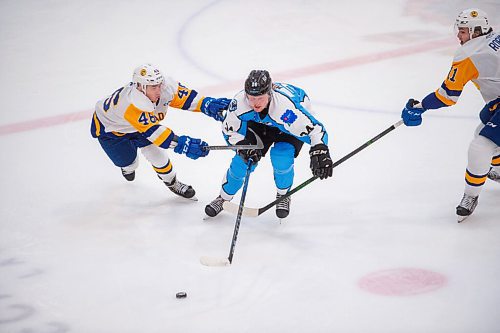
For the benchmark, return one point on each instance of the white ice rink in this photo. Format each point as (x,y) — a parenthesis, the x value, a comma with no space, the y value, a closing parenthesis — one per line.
(375,249)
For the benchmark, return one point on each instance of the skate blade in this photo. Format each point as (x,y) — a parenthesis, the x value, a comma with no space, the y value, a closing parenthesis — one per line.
(460,219)
(214,262)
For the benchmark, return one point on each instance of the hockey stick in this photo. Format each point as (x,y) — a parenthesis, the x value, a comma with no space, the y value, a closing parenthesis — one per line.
(209,261)
(254,212)
(259,145)
(233,147)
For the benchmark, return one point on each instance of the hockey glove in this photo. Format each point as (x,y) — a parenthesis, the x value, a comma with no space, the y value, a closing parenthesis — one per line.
(213,107)
(246,154)
(193,148)
(321,163)
(489,110)
(412,114)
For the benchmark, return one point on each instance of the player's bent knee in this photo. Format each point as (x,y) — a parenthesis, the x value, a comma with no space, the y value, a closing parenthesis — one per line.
(155,155)
(282,155)
(238,167)
(482,144)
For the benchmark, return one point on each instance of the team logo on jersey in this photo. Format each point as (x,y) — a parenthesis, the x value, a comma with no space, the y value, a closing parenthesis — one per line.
(288,117)
(489,123)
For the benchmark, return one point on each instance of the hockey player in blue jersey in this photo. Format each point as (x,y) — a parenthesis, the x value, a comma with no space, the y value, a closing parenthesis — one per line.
(277,114)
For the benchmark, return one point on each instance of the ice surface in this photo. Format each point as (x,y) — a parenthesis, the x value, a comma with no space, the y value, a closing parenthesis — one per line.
(82,250)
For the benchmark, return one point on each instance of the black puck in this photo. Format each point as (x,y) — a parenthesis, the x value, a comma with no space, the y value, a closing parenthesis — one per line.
(181,294)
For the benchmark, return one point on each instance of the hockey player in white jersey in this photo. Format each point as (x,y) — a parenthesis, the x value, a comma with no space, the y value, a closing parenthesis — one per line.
(130,119)
(278,115)
(477,60)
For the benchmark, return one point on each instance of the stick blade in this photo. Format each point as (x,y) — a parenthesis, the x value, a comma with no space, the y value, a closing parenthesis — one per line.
(214,262)
(233,209)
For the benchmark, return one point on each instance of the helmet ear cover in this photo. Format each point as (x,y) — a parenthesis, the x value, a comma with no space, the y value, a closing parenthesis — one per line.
(258,83)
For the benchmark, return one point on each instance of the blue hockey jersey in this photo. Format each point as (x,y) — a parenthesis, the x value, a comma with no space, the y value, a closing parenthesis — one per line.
(289,110)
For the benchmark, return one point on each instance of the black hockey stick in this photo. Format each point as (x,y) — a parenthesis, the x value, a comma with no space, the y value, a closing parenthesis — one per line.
(209,261)
(253,212)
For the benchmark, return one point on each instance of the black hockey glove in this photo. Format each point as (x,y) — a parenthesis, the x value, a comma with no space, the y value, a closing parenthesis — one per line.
(246,154)
(321,163)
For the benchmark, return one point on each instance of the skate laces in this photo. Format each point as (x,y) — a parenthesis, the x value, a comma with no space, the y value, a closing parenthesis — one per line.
(494,175)
(283,204)
(124,172)
(468,202)
(178,187)
(217,203)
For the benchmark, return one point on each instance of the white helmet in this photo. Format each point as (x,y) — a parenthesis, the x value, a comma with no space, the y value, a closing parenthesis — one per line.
(147,75)
(474,19)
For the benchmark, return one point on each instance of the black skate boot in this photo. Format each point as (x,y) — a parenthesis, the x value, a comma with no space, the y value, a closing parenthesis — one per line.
(494,175)
(283,207)
(181,189)
(215,207)
(130,176)
(466,207)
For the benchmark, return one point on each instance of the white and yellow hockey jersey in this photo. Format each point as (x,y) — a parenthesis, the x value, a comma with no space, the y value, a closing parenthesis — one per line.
(128,110)
(477,60)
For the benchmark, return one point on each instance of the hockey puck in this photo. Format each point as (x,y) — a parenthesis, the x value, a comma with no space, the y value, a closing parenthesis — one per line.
(181,294)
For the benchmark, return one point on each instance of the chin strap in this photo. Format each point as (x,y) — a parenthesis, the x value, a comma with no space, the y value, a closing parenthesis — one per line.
(140,88)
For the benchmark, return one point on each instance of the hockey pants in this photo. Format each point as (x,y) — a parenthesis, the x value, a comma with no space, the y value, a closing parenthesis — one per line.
(122,150)
(282,159)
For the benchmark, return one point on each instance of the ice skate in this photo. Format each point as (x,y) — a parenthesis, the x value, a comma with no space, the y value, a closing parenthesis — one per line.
(181,189)
(129,175)
(494,175)
(282,207)
(466,207)
(215,207)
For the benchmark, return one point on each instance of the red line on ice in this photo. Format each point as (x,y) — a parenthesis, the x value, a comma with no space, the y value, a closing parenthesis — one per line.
(233,85)
(402,282)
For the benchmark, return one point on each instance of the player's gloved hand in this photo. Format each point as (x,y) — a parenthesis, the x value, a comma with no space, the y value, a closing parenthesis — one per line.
(489,110)
(213,107)
(412,114)
(321,162)
(193,148)
(246,154)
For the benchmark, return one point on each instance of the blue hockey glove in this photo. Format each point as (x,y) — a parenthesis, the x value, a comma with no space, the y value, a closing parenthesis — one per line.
(412,116)
(193,148)
(213,107)
(489,110)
